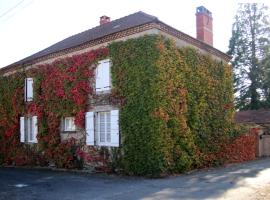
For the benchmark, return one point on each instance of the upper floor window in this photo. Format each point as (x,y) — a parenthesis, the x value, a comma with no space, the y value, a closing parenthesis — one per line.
(103,76)
(28,89)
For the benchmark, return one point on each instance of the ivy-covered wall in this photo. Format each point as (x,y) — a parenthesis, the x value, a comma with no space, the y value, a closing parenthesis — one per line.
(61,89)
(175,105)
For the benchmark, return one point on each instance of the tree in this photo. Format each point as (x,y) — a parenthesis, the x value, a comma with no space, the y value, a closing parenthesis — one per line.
(248,47)
(266,79)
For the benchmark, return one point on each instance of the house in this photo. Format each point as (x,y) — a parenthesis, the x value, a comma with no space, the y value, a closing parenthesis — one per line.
(81,93)
(259,119)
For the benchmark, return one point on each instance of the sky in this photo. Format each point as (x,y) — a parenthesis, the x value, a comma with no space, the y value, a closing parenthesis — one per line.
(28,26)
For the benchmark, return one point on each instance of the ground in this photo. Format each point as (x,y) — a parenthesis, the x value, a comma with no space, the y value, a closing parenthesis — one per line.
(245,181)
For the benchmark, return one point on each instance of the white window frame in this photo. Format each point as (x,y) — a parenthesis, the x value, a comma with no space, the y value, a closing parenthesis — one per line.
(29,129)
(99,80)
(28,89)
(107,128)
(71,127)
(110,128)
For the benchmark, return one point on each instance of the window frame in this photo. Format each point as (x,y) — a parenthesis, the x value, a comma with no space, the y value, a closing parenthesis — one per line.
(29,129)
(72,123)
(93,135)
(28,98)
(106,128)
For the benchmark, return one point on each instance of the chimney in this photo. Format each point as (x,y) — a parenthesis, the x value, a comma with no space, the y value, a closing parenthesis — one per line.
(204,25)
(104,19)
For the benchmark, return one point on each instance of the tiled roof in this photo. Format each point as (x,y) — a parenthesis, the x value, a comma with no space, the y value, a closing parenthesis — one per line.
(253,116)
(123,23)
(114,27)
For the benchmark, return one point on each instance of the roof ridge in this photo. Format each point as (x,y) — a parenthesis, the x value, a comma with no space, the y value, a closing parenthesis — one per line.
(152,16)
(113,21)
(93,28)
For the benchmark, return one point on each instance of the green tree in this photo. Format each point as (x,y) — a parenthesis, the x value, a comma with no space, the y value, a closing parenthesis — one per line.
(248,46)
(266,79)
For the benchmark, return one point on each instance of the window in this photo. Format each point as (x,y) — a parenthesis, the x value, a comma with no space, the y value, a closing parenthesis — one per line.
(28,89)
(103,77)
(69,124)
(102,128)
(28,129)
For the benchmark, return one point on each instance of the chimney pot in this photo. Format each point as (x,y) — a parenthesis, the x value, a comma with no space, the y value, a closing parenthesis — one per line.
(104,19)
(204,25)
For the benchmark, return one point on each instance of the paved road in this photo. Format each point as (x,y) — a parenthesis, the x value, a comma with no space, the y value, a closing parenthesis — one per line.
(235,182)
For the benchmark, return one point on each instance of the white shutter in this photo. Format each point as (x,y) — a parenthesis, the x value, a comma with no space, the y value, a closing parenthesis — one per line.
(89,123)
(22,132)
(98,78)
(106,75)
(103,76)
(25,89)
(29,89)
(114,128)
(35,128)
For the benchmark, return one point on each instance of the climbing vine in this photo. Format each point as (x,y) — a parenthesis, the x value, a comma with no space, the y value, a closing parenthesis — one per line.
(176,109)
(176,106)
(61,89)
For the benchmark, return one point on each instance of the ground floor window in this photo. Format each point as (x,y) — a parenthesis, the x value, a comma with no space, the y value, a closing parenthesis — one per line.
(28,129)
(69,124)
(102,128)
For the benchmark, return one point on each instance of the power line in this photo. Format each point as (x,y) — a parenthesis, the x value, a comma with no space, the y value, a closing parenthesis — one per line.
(9,10)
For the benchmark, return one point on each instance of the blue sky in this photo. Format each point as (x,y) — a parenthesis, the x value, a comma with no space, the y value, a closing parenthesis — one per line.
(27,26)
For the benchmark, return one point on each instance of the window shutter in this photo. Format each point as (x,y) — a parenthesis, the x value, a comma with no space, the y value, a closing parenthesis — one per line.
(25,89)
(89,123)
(29,89)
(99,85)
(114,128)
(103,76)
(35,128)
(106,75)
(22,132)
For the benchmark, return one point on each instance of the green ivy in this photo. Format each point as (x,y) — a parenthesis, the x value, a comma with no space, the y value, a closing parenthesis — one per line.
(176,105)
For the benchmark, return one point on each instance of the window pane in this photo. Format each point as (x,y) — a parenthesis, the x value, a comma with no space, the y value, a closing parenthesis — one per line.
(69,124)
(108,126)
(31,129)
(102,126)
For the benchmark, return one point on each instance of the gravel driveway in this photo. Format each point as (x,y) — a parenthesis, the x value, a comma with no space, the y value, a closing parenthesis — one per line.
(245,181)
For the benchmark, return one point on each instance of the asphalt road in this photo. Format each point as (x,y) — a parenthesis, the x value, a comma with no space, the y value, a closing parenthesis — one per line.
(235,182)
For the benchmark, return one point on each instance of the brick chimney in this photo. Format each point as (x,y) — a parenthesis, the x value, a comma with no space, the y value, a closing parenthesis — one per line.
(104,19)
(204,25)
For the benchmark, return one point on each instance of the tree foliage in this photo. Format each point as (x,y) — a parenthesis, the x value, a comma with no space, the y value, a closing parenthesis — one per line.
(266,79)
(248,47)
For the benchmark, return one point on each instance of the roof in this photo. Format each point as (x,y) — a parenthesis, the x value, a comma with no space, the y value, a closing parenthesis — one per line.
(113,27)
(129,21)
(253,116)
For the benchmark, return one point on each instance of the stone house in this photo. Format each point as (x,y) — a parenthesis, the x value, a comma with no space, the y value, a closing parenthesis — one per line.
(101,121)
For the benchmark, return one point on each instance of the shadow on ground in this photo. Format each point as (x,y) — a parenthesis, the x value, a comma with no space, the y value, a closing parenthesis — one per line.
(30,184)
